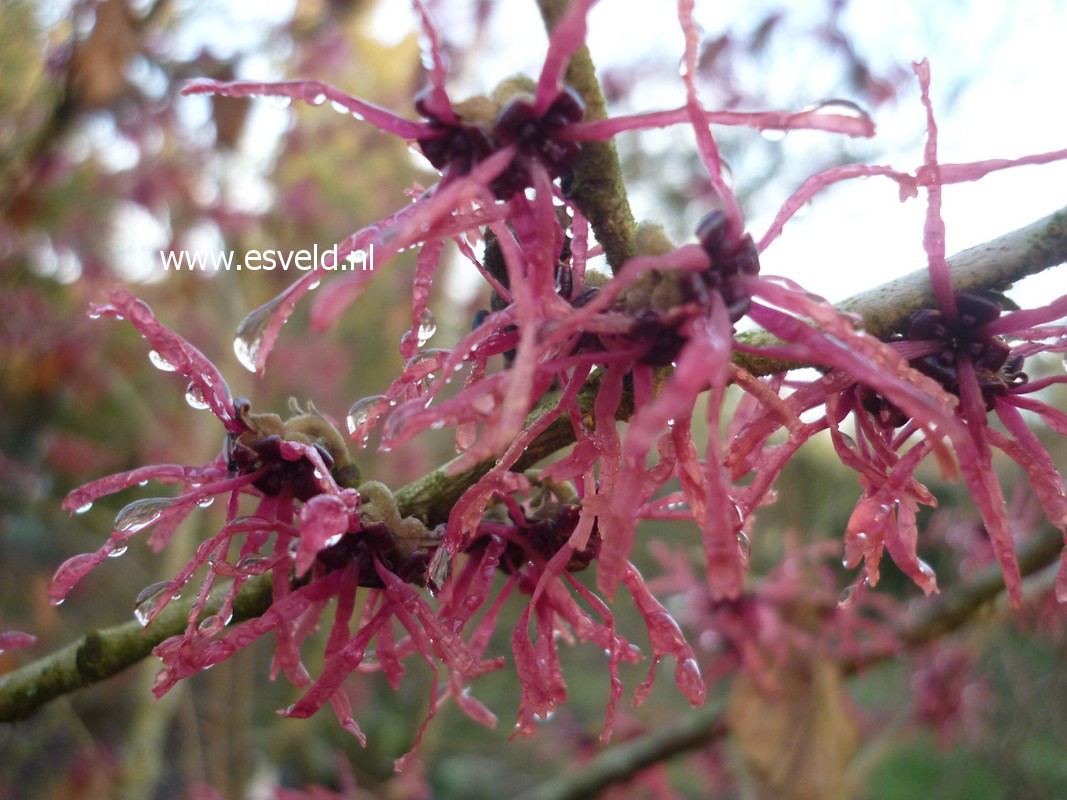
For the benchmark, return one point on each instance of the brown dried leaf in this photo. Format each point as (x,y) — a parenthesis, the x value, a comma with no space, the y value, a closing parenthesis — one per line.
(798,740)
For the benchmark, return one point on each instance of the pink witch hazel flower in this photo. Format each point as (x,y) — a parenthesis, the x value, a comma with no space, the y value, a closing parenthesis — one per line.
(975,354)
(318,536)
(499,159)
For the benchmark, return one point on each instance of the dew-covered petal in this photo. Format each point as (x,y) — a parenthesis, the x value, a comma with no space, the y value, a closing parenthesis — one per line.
(934,227)
(1028,452)
(706,145)
(667,639)
(70,572)
(434,60)
(176,351)
(813,119)
(162,473)
(819,181)
(310,92)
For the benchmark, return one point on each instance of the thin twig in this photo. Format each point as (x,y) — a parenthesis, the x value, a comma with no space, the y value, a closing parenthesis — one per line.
(623,761)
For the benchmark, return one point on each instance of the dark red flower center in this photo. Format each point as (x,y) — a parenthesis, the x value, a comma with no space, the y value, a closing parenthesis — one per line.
(965,337)
(460,146)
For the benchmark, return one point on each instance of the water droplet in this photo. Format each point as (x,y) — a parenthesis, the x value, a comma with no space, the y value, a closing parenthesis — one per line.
(251,561)
(484,403)
(150,599)
(727,173)
(744,545)
(426,362)
(338,106)
(427,326)
(118,551)
(279,101)
(159,362)
(317,100)
(204,502)
(359,416)
(250,333)
(844,108)
(143,483)
(84,508)
(849,595)
(772,134)
(439,570)
(314,285)
(211,625)
(194,396)
(139,514)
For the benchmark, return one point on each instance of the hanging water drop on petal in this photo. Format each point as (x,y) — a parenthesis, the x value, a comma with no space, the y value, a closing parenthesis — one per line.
(149,599)
(139,514)
(849,595)
(317,100)
(427,326)
(84,508)
(439,570)
(250,332)
(253,563)
(159,362)
(194,396)
(204,502)
(744,545)
(359,414)
(118,551)
(840,107)
(210,625)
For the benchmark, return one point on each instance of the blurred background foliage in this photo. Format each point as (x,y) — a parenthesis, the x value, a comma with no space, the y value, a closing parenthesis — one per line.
(102,165)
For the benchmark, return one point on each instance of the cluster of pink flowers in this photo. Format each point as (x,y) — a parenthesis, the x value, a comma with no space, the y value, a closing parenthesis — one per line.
(657,335)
